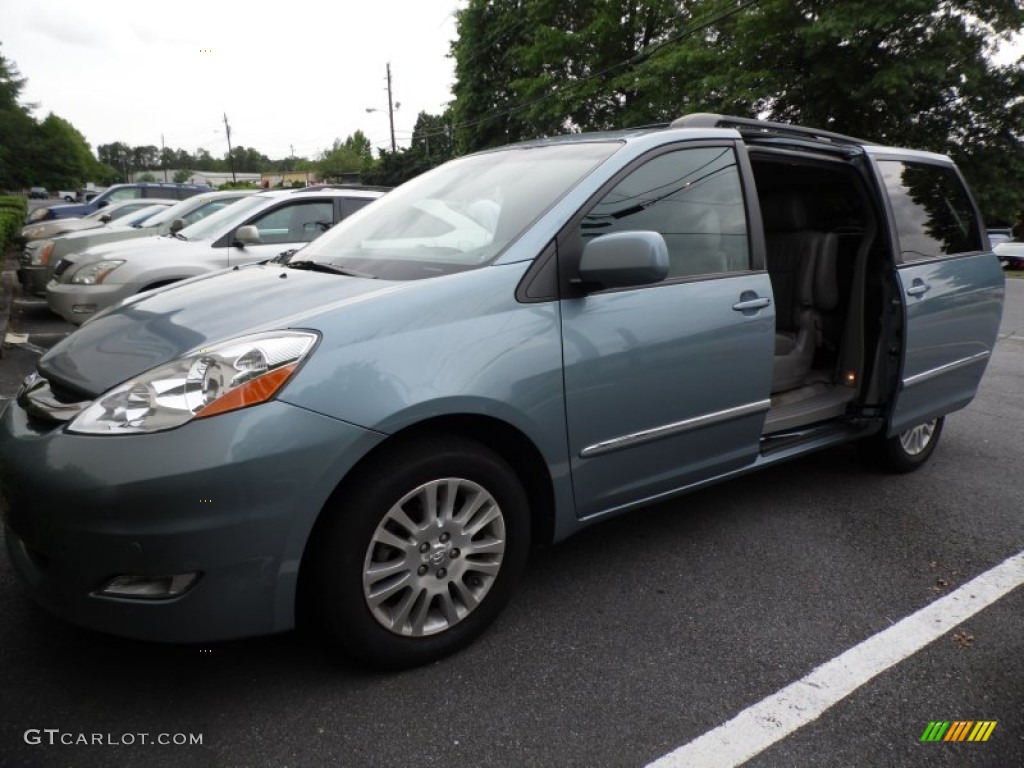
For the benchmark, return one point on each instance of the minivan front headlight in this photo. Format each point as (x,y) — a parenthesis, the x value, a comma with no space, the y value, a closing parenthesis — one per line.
(96,272)
(225,377)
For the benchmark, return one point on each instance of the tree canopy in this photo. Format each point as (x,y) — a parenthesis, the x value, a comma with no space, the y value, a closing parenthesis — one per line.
(908,72)
(51,153)
(353,155)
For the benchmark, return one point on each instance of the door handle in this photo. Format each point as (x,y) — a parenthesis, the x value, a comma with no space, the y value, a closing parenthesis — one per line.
(745,305)
(918,288)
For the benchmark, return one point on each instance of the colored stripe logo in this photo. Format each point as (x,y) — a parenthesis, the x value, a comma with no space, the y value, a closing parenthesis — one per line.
(958,730)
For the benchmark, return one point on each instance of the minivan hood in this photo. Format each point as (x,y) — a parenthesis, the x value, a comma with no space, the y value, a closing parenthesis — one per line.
(162,325)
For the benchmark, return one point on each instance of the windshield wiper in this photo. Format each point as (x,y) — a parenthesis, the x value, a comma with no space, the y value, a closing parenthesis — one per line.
(281,258)
(319,266)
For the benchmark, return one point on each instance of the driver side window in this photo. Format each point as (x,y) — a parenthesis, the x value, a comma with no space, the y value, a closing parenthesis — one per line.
(693,198)
(297,223)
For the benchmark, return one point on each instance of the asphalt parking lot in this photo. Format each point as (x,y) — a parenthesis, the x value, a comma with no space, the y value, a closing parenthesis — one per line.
(623,644)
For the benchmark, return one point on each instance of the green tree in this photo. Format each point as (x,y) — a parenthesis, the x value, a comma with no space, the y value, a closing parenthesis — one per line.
(908,72)
(486,64)
(181,158)
(532,68)
(205,161)
(353,155)
(394,168)
(146,157)
(65,160)
(361,147)
(181,175)
(117,155)
(249,160)
(904,72)
(432,137)
(105,175)
(147,176)
(17,130)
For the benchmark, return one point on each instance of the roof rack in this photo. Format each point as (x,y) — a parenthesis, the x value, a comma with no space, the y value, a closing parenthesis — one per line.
(748,125)
(363,187)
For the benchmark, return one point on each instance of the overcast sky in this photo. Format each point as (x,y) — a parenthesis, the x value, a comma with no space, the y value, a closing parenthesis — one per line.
(288,74)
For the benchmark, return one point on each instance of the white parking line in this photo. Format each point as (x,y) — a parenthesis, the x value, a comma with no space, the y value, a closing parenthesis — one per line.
(772,719)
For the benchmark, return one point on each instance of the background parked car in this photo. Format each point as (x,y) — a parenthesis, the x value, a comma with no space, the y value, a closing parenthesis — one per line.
(255,228)
(116,193)
(38,193)
(67,195)
(999,235)
(1011,254)
(37,269)
(98,218)
(36,252)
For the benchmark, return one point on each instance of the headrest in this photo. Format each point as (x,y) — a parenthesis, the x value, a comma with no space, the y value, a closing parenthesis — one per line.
(784,213)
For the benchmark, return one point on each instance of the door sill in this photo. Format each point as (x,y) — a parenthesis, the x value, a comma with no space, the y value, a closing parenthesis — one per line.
(805,406)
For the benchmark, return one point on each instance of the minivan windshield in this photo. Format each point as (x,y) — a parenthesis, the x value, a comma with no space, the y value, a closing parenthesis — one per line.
(459,216)
(228,216)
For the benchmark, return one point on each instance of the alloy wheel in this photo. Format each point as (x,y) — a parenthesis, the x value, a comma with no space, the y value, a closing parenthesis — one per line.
(433,557)
(916,439)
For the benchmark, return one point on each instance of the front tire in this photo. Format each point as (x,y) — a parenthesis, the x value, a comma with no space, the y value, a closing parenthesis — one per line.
(420,554)
(905,452)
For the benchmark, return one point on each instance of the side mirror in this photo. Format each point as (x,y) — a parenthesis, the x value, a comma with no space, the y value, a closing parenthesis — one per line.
(102,203)
(177,225)
(624,259)
(247,235)
(106,218)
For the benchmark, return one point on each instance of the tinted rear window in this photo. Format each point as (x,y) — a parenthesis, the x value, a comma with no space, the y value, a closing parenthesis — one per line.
(933,212)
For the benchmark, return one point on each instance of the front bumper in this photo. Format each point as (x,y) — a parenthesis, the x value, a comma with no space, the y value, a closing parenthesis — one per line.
(34,278)
(77,303)
(232,497)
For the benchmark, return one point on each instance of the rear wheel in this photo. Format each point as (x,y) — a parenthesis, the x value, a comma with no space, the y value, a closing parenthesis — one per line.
(905,452)
(421,553)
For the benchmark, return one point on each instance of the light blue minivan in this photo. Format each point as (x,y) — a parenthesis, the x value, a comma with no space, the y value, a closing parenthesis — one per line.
(497,354)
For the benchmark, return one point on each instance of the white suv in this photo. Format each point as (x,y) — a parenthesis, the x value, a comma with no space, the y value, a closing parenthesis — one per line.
(253,229)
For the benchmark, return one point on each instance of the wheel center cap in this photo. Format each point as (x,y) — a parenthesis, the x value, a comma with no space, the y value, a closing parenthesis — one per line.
(437,556)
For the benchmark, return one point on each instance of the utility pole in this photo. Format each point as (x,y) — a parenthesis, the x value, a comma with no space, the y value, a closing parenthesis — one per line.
(391,111)
(163,157)
(231,157)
